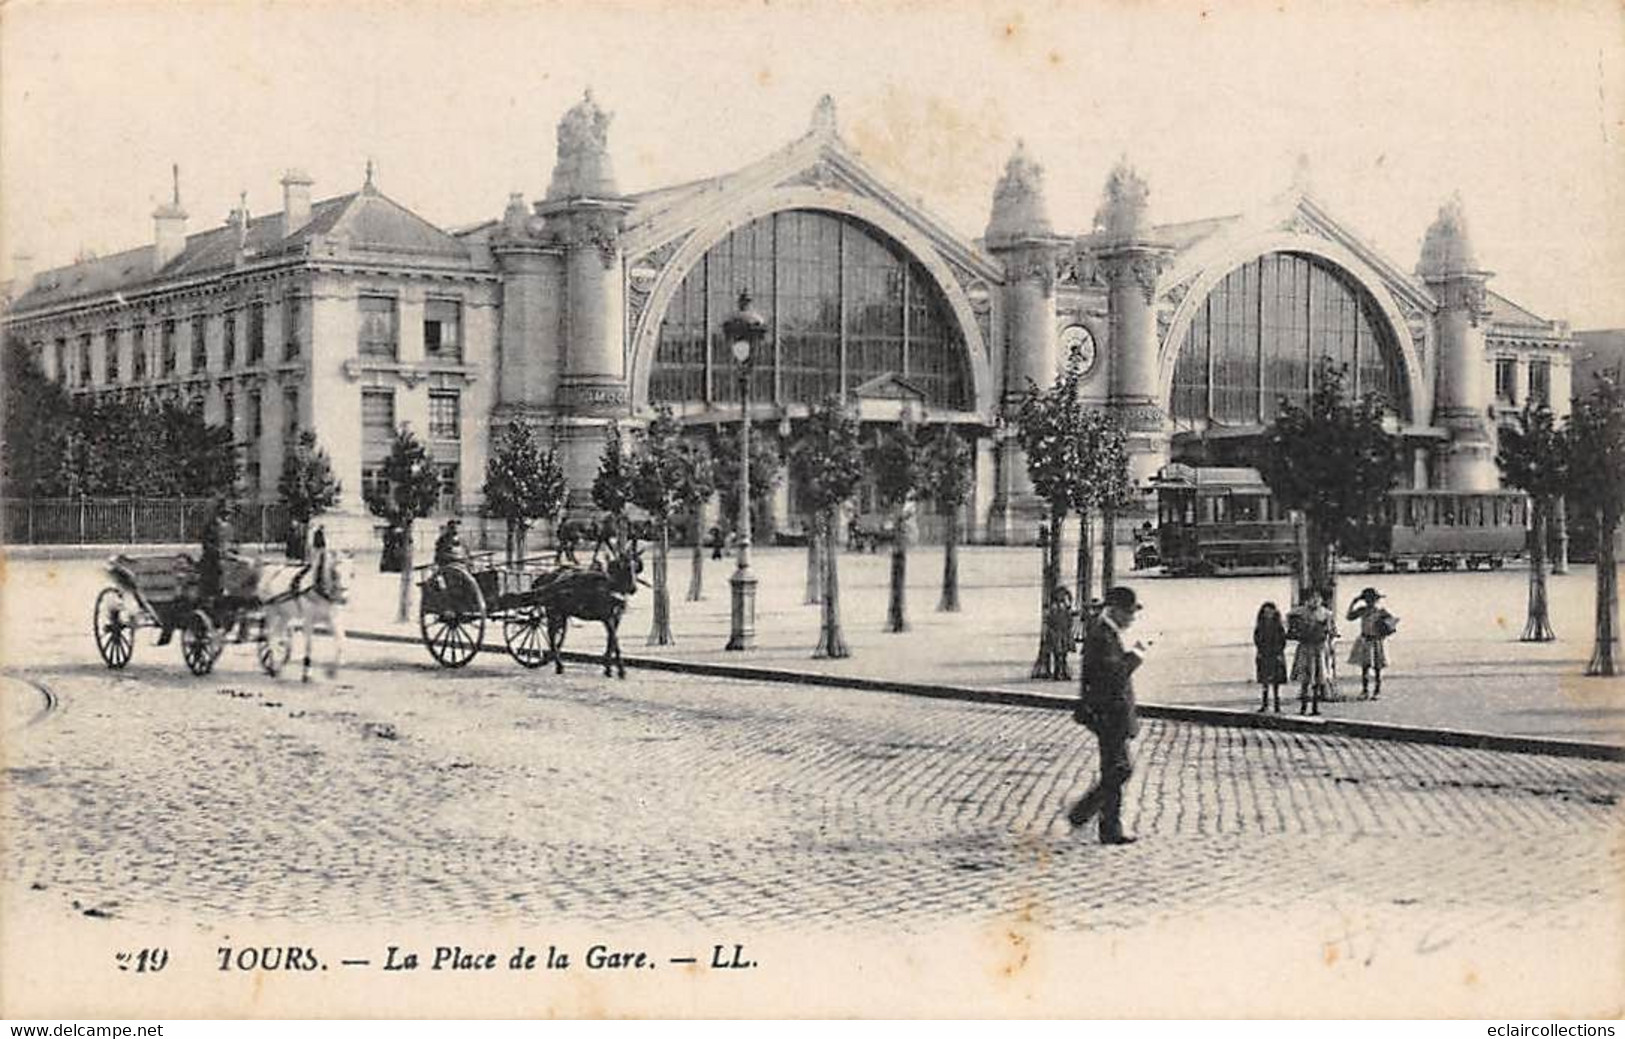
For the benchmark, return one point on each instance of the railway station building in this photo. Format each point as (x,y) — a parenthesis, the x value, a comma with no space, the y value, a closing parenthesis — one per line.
(589,305)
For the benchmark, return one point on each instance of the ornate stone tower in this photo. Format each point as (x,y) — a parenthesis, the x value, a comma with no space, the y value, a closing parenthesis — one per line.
(1020,235)
(1461,400)
(1131,261)
(530,341)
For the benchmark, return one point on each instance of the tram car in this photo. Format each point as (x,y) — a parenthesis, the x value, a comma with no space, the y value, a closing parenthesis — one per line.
(1216,520)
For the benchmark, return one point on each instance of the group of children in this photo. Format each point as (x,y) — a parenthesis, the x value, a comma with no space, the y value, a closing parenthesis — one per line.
(1314,628)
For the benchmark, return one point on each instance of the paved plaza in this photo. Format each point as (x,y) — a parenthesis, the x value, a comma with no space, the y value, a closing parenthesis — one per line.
(402,793)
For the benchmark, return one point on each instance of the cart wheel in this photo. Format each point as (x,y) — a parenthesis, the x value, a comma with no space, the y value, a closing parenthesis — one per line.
(453,623)
(274,652)
(114,628)
(522,630)
(200,643)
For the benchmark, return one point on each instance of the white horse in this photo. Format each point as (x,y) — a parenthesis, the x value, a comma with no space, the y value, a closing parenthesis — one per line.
(299,596)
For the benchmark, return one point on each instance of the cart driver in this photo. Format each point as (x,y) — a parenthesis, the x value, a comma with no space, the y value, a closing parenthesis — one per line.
(218,539)
(448,547)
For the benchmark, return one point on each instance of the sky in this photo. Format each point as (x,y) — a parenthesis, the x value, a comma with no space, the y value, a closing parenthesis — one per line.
(1517,104)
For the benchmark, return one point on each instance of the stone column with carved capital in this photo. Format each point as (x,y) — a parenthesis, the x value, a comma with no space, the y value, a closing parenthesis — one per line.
(1461,397)
(1132,261)
(1020,235)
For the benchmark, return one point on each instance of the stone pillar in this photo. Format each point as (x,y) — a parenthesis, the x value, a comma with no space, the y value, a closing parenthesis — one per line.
(1019,234)
(530,348)
(583,215)
(1131,262)
(1461,396)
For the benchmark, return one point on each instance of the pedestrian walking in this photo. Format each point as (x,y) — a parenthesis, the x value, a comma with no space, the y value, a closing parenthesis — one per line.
(1312,626)
(1370,650)
(1269,655)
(1106,708)
(1060,636)
(718,542)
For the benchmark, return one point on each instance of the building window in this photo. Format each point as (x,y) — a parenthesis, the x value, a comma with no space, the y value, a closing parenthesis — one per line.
(228,340)
(59,356)
(110,349)
(200,344)
(1506,379)
(377,434)
(251,478)
(290,413)
(228,413)
(445,416)
(86,373)
(1540,382)
(253,418)
(256,332)
(443,330)
(138,352)
(166,346)
(292,315)
(378,324)
(450,499)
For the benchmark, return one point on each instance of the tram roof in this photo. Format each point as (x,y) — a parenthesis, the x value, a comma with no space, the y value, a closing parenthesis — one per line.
(1214,478)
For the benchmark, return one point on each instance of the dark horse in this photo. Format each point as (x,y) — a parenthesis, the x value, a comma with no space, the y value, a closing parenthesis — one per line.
(589,595)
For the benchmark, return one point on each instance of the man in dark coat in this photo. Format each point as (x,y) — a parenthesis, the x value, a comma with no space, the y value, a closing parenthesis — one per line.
(1106,707)
(218,539)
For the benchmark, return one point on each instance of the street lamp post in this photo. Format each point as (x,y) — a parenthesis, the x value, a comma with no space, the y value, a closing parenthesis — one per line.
(744,331)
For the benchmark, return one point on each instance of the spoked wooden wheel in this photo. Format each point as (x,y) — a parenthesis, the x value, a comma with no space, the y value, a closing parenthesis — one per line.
(453,619)
(522,630)
(114,628)
(200,643)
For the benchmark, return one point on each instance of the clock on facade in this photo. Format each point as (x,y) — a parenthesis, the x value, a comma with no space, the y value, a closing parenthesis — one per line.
(1076,339)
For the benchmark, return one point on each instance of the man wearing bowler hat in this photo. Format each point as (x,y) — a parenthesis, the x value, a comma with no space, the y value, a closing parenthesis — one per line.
(1106,708)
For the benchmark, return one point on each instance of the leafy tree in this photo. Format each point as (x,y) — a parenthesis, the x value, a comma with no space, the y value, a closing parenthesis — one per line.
(407,490)
(1597,437)
(827,464)
(612,486)
(1101,480)
(948,484)
(1534,457)
(1047,426)
(764,470)
(698,485)
(523,483)
(898,464)
(662,477)
(1333,461)
(306,485)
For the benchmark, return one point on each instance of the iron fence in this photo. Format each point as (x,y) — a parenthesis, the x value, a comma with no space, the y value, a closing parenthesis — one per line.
(132,521)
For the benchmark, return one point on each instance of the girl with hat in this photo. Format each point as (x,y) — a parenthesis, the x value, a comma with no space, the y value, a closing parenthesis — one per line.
(1370,650)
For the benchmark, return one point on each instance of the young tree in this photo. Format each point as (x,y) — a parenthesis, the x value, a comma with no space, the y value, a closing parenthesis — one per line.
(1534,457)
(827,463)
(1047,425)
(1597,438)
(1100,480)
(407,490)
(523,483)
(661,474)
(698,485)
(612,486)
(764,469)
(1335,462)
(948,483)
(307,487)
(898,464)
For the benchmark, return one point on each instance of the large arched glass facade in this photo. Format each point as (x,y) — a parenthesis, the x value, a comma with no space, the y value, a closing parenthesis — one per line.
(1258,335)
(844,304)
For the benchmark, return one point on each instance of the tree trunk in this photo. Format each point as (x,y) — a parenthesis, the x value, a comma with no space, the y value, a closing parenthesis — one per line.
(831,643)
(897,605)
(1108,548)
(1560,518)
(521,534)
(696,572)
(1086,568)
(949,603)
(403,612)
(1051,580)
(817,546)
(508,528)
(1603,655)
(660,633)
(1538,628)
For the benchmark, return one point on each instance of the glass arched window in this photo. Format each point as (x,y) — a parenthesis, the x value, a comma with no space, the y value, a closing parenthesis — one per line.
(844,303)
(1258,335)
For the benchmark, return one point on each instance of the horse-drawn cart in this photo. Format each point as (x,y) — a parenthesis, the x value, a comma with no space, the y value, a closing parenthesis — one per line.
(164,592)
(457,599)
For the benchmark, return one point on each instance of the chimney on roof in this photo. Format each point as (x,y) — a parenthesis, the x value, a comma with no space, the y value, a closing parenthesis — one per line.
(295,201)
(169,227)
